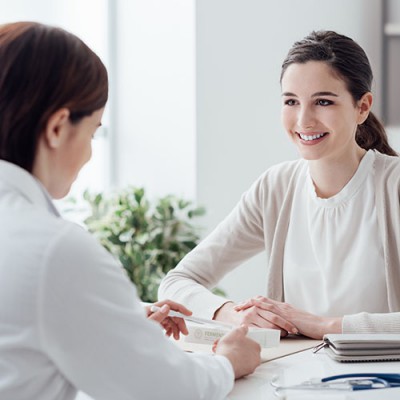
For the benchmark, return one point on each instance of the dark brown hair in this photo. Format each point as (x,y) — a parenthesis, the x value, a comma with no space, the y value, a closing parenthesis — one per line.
(348,60)
(43,69)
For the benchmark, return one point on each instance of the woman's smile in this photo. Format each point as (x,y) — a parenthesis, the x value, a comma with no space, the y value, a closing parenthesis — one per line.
(318,112)
(312,138)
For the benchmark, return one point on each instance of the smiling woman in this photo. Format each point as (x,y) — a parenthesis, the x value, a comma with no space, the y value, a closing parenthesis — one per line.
(325,221)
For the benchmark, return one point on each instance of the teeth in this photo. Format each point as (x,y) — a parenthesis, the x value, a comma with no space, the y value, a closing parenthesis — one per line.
(311,137)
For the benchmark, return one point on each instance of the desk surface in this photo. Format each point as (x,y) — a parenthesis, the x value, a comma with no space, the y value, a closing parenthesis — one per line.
(299,367)
(302,366)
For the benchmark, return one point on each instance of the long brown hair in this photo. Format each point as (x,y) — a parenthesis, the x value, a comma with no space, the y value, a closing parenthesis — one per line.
(348,60)
(43,69)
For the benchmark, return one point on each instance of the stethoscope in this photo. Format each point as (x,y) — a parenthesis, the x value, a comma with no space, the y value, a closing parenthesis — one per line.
(349,382)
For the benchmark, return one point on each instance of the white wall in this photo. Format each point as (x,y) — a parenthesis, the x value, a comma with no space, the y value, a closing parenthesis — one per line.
(240,47)
(197,84)
(152,83)
(88,20)
(155,89)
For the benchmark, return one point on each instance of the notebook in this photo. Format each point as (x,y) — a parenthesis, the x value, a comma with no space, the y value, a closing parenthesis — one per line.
(362,347)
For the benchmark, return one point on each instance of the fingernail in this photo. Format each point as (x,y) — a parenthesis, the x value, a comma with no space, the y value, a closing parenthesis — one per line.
(295,331)
(164,308)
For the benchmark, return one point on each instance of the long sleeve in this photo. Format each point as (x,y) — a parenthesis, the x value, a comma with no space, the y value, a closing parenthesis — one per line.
(93,328)
(236,239)
(371,323)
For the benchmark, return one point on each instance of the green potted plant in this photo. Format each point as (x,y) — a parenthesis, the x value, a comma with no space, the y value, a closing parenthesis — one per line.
(148,239)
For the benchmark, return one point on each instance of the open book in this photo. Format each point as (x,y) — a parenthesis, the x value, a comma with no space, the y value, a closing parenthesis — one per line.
(362,347)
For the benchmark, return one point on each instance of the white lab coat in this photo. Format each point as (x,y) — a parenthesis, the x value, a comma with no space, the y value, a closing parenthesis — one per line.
(71,320)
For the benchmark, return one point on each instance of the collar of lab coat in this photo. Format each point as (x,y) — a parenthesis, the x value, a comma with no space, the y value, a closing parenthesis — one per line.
(13,177)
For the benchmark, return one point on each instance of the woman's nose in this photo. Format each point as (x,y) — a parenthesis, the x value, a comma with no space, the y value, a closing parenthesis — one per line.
(305,118)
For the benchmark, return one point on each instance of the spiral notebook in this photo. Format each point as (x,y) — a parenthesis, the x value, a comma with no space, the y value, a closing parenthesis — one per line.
(361,347)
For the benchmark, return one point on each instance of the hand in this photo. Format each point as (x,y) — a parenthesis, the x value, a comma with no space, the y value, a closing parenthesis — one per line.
(307,324)
(252,315)
(242,352)
(172,325)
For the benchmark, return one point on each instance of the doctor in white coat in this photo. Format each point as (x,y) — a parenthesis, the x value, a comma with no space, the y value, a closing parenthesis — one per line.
(69,317)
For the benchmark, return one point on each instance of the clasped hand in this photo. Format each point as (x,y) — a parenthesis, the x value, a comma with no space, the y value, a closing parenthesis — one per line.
(264,312)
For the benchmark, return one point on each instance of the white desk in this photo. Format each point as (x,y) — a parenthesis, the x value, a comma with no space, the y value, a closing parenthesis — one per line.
(302,366)
(299,367)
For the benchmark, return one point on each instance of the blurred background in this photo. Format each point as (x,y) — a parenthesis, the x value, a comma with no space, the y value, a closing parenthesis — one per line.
(195,102)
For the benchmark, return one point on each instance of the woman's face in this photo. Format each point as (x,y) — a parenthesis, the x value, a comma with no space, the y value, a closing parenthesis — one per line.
(318,112)
(64,160)
(78,147)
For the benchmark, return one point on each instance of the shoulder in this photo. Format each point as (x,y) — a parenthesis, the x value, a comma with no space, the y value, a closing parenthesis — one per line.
(75,262)
(387,168)
(76,247)
(60,243)
(57,234)
(275,185)
(281,176)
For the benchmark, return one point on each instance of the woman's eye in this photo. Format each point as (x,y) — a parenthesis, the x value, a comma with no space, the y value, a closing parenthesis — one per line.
(323,102)
(290,102)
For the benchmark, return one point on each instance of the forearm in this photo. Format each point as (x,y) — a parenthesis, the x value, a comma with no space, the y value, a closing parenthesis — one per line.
(235,240)
(201,301)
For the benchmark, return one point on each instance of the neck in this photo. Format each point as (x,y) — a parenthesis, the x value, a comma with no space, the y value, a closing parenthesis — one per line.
(331,176)
(43,169)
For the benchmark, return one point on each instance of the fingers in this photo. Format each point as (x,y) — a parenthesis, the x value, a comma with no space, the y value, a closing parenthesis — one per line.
(250,302)
(214,346)
(181,325)
(173,325)
(243,306)
(242,329)
(279,321)
(271,312)
(236,334)
(172,328)
(241,351)
(174,306)
(161,314)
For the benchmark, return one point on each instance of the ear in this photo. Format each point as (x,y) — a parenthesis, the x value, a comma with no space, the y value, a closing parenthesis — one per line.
(57,125)
(364,107)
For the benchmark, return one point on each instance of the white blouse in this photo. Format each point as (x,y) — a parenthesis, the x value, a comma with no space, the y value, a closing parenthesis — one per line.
(331,244)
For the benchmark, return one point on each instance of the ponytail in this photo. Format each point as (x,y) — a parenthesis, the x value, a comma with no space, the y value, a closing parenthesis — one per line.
(372,135)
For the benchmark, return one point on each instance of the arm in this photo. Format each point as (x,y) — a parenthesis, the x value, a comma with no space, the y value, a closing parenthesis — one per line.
(240,236)
(236,239)
(316,327)
(95,331)
(372,323)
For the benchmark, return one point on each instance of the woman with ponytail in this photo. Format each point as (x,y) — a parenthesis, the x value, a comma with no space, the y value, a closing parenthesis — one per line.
(328,222)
